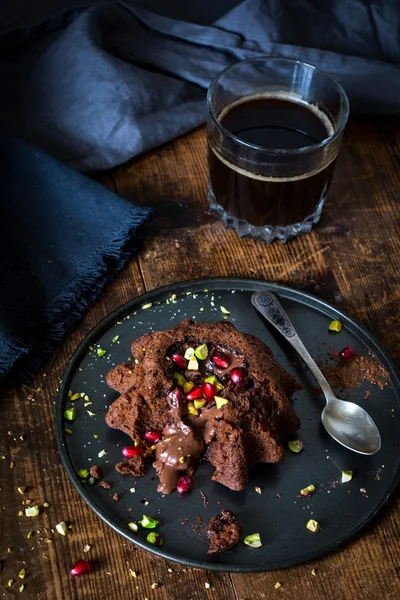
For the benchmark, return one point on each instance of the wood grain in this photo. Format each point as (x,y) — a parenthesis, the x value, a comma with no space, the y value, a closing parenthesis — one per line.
(352,258)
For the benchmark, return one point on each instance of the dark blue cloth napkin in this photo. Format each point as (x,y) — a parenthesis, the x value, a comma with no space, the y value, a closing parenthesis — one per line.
(62,238)
(96,86)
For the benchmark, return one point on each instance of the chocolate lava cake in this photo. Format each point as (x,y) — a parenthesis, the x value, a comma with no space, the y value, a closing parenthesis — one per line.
(202,391)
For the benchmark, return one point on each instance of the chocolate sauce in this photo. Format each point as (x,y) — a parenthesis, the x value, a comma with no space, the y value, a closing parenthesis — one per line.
(184,442)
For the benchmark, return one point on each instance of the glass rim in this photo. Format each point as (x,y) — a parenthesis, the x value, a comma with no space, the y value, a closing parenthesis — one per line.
(279,151)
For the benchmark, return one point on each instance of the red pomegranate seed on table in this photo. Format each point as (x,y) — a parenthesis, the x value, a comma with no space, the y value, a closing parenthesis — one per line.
(195,394)
(238,375)
(220,360)
(179,361)
(130,451)
(346,354)
(153,436)
(80,568)
(184,485)
(209,391)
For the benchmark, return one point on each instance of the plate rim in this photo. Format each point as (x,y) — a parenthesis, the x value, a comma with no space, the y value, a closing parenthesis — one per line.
(280,289)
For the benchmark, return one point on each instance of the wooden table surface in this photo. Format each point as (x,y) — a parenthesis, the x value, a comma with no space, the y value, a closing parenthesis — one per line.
(352,258)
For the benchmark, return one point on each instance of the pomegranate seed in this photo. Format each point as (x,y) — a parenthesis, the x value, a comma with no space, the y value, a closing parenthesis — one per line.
(80,568)
(130,451)
(347,354)
(184,485)
(238,374)
(179,361)
(209,391)
(220,360)
(153,436)
(177,398)
(195,394)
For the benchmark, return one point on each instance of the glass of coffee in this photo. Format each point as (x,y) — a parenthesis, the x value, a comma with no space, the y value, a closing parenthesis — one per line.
(275,126)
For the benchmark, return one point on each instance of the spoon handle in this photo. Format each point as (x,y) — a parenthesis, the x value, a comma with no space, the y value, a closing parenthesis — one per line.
(268,305)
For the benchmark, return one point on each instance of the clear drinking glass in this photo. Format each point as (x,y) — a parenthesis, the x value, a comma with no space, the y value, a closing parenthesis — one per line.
(275,126)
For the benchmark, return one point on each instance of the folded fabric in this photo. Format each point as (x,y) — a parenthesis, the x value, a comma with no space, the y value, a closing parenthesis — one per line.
(62,238)
(96,86)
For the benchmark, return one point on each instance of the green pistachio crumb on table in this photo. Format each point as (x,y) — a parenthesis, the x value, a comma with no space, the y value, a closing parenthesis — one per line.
(70,413)
(313,526)
(307,491)
(148,522)
(224,310)
(101,352)
(347,476)
(335,326)
(115,339)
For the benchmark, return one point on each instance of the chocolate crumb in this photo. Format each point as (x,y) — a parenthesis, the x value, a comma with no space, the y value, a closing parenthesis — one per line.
(116,497)
(185,521)
(134,466)
(223,532)
(367,395)
(105,485)
(96,472)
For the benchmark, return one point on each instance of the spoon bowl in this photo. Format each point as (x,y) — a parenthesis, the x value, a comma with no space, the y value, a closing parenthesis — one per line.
(346,422)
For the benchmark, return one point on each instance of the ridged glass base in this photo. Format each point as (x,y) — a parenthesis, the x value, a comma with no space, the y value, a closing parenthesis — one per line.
(267,233)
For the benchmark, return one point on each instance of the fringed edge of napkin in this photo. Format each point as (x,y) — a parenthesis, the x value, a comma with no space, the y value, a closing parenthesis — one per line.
(19,362)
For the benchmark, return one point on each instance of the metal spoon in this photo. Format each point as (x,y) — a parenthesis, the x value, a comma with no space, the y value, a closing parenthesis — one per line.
(346,422)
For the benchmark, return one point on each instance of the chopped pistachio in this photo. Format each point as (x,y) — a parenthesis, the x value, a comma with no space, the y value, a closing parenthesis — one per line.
(296,446)
(155,538)
(68,431)
(312,571)
(20,513)
(70,414)
(148,522)
(220,401)
(62,528)
(312,525)
(86,548)
(191,409)
(347,476)
(91,413)
(189,353)
(278,585)
(8,549)
(199,404)
(75,397)
(258,490)
(133,573)
(10,582)
(308,491)
(193,365)
(335,326)
(134,527)
(179,379)
(22,574)
(32,511)
(86,398)
(46,504)
(132,490)
(21,587)
(253,540)
(95,435)
(102,453)
(201,352)
(154,586)
(146,306)
(12,464)
(224,310)
(189,385)
(182,459)
(101,352)
(21,489)
(83,473)
(115,339)
(30,534)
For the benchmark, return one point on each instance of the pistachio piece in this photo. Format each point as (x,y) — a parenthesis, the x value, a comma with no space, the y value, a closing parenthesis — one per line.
(101,352)
(201,352)
(70,414)
(220,401)
(312,525)
(335,326)
(191,409)
(347,476)
(189,385)
(189,353)
(32,511)
(193,365)
(308,491)
(296,446)
(179,379)
(62,528)
(148,522)
(253,540)
(133,527)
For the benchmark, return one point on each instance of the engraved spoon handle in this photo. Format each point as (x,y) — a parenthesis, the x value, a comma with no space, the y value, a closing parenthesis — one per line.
(269,306)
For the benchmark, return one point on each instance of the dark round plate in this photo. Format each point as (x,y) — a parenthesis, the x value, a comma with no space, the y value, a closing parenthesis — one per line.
(278,513)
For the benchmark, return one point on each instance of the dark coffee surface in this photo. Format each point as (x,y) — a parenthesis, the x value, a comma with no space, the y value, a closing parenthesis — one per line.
(275,123)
